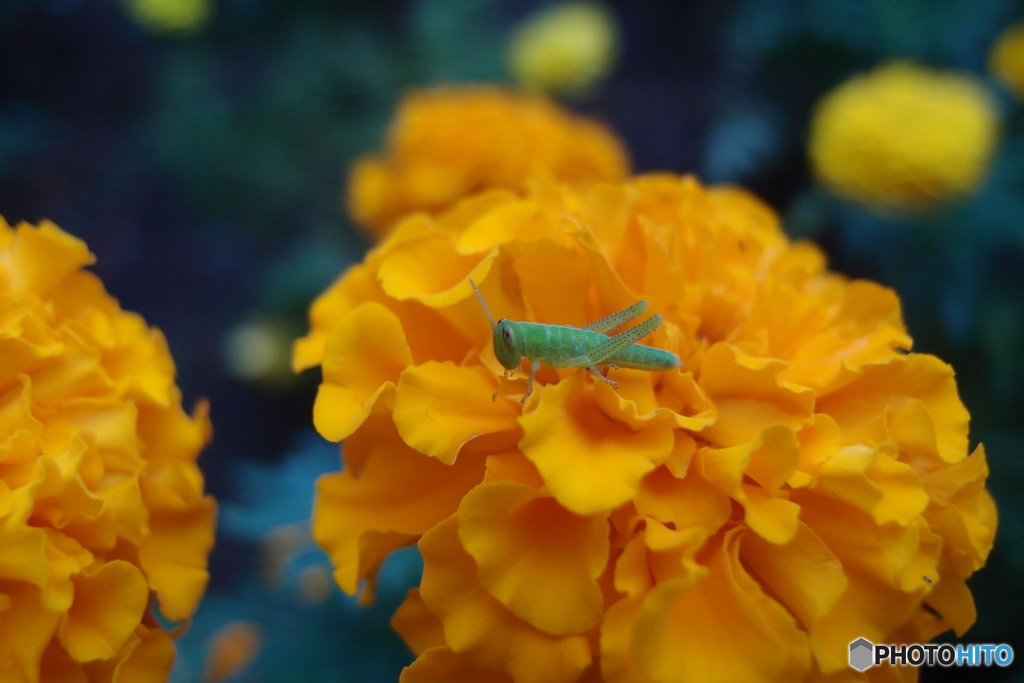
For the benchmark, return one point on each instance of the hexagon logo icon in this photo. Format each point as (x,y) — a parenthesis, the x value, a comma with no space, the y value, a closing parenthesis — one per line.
(861,654)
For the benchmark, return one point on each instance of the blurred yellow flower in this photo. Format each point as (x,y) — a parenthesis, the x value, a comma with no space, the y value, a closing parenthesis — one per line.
(102,512)
(904,137)
(564,49)
(171,16)
(448,143)
(800,482)
(1007,59)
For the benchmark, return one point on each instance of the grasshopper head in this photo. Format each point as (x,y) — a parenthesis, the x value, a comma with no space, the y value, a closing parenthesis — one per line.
(508,344)
(508,336)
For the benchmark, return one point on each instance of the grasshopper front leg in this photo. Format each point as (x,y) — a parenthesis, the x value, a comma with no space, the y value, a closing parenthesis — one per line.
(529,383)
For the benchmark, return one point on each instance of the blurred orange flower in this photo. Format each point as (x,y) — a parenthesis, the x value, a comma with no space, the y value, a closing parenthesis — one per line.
(447,143)
(232,649)
(800,482)
(101,503)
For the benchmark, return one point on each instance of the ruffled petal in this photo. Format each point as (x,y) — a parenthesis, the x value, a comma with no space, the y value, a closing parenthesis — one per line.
(725,612)
(911,399)
(396,495)
(420,629)
(441,664)
(439,407)
(363,359)
(480,628)
(589,463)
(749,395)
(538,559)
(108,605)
(181,524)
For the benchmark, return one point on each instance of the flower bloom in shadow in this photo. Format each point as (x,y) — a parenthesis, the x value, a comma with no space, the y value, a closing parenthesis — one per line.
(179,17)
(903,137)
(1006,61)
(801,481)
(102,512)
(567,48)
(447,143)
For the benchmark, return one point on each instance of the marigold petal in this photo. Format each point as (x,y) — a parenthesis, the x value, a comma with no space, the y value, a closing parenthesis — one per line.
(417,626)
(428,268)
(40,257)
(591,464)
(356,285)
(683,502)
(773,517)
(819,439)
(618,664)
(963,510)
(693,410)
(672,552)
(635,403)
(775,459)
(749,395)
(803,574)
(26,628)
(538,559)
(722,611)
(181,525)
(543,266)
(951,600)
(150,659)
(865,406)
(108,605)
(439,407)
(480,628)
(364,357)
(888,569)
(898,555)
(866,609)
(876,482)
(396,495)
(513,466)
(441,664)
(632,575)
(514,220)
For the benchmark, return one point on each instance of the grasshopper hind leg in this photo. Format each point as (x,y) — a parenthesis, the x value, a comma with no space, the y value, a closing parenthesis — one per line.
(597,373)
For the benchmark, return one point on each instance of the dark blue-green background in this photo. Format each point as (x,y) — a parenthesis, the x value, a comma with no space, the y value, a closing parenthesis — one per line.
(206,173)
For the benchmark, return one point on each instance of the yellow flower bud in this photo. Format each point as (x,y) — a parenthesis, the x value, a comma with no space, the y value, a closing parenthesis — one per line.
(565,49)
(1007,59)
(904,137)
(171,16)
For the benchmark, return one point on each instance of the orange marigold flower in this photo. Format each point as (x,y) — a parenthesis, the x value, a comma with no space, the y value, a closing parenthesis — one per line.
(448,143)
(802,481)
(101,503)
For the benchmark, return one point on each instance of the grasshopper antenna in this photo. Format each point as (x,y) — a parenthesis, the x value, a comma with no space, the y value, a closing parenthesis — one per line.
(483,303)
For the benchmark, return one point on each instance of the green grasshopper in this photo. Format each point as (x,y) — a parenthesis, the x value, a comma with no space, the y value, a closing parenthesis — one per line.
(563,346)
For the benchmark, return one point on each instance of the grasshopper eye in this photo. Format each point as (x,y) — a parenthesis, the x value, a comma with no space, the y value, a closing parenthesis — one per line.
(507,337)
